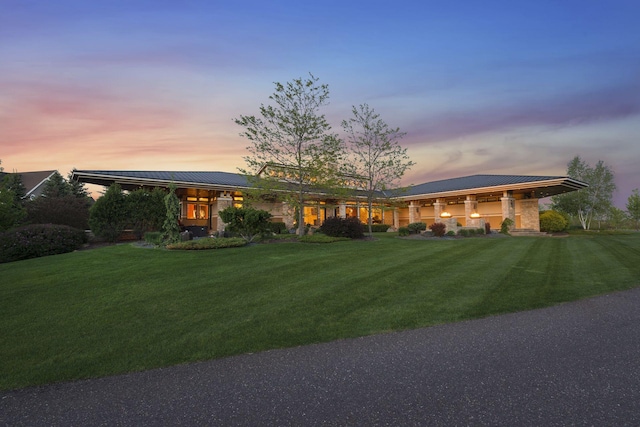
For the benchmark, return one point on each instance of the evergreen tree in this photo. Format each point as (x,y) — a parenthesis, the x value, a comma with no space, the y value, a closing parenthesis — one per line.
(56,186)
(171,228)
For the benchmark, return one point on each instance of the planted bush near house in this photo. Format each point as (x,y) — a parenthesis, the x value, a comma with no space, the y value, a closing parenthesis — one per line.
(403,231)
(209,243)
(343,227)
(278,227)
(379,228)
(464,232)
(487,228)
(33,241)
(552,222)
(438,229)
(153,237)
(417,227)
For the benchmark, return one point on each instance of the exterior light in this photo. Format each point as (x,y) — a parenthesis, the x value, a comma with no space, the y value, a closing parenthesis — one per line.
(445,214)
(475,215)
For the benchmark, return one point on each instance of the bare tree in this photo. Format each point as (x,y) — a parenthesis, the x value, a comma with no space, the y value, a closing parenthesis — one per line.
(376,158)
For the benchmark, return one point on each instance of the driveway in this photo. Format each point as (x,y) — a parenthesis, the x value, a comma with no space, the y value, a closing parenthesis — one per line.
(573,364)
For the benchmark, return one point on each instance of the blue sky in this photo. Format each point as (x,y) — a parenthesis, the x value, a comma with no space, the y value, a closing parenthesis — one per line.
(505,87)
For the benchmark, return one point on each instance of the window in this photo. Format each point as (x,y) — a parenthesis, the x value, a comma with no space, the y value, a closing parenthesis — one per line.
(197,211)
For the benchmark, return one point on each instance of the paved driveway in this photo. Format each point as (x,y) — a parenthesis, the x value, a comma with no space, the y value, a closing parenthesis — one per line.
(573,364)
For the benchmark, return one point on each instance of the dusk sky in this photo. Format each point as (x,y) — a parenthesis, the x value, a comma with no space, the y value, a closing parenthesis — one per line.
(480,87)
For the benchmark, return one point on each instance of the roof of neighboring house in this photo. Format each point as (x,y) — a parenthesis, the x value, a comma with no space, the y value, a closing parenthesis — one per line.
(542,186)
(34,181)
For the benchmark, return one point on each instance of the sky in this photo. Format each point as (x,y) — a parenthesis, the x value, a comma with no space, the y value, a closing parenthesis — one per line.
(479,87)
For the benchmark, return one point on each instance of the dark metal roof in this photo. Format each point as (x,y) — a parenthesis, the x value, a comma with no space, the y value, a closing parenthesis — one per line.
(222,179)
(485,182)
(546,185)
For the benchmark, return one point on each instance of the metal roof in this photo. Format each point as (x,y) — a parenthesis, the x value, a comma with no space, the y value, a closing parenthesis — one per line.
(545,185)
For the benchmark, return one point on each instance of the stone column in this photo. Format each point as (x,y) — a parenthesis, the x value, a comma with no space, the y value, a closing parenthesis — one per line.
(287,215)
(342,209)
(530,214)
(508,208)
(224,201)
(396,219)
(438,208)
(414,212)
(470,206)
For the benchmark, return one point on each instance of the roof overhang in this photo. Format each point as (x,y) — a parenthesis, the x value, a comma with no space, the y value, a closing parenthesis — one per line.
(130,183)
(539,189)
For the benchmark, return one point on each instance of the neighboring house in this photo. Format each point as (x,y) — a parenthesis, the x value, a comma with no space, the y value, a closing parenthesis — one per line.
(34,182)
(470,201)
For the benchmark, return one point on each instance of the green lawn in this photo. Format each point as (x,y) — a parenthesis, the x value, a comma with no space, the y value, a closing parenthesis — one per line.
(124,308)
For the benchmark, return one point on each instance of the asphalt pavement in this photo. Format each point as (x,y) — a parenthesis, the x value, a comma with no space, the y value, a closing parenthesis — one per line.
(573,364)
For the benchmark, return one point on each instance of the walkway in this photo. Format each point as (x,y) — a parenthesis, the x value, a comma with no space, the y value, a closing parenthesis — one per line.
(573,364)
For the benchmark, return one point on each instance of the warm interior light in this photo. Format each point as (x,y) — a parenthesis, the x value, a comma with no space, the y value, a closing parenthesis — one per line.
(475,215)
(445,214)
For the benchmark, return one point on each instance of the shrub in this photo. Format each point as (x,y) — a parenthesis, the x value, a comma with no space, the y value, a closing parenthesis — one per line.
(107,216)
(278,227)
(451,233)
(552,222)
(153,237)
(487,228)
(506,225)
(417,227)
(66,210)
(480,231)
(438,228)
(247,222)
(464,232)
(343,227)
(209,243)
(32,241)
(403,231)
(379,228)
(146,211)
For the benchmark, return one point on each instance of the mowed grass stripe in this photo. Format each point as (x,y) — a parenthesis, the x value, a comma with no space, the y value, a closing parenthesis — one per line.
(121,308)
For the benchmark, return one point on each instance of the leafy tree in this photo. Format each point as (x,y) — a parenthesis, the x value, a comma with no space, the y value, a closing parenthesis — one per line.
(589,202)
(170,227)
(65,210)
(56,186)
(12,213)
(146,210)
(291,148)
(108,215)
(248,222)
(376,159)
(616,218)
(633,207)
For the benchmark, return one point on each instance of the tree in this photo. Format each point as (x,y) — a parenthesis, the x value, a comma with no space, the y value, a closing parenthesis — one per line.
(591,201)
(292,153)
(247,222)
(170,227)
(12,213)
(107,217)
(13,182)
(66,210)
(77,188)
(146,210)
(633,207)
(56,186)
(376,159)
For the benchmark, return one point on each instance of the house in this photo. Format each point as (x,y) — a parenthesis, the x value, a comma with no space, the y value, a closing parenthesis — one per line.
(34,182)
(469,201)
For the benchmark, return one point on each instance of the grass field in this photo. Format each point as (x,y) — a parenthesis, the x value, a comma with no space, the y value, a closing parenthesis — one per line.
(123,308)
